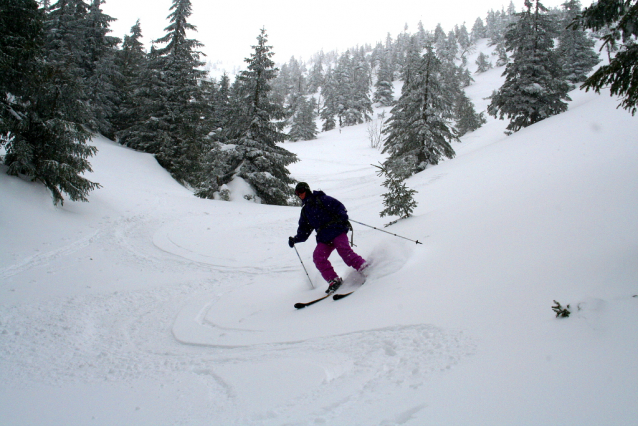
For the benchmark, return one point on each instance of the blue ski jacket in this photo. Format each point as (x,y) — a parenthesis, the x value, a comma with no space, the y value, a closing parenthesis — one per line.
(324,214)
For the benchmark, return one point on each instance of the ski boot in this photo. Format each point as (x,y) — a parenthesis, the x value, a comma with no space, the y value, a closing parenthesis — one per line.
(333,285)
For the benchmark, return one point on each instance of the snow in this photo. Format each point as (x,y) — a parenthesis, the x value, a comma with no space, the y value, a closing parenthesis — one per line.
(149,306)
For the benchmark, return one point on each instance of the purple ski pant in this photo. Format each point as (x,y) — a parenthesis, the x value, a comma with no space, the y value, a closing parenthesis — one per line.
(323,251)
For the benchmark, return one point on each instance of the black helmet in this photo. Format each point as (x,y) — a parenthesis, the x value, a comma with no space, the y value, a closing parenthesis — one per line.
(301,188)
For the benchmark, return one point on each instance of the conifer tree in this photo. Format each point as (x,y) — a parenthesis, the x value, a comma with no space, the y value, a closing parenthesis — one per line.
(347,91)
(131,61)
(170,101)
(384,91)
(316,77)
(466,44)
(439,34)
(501,52)
(281,85)
(21,44)
(304,126)
(42,103)
(399,200)
(343,90)
(219,117)
(621,74)
(534,88)
(467,120)
(575,48)
(483,63)
(253,153)
(419,131)
(220,104)
(101,73)
(478,30)
(361,108)
(330,104)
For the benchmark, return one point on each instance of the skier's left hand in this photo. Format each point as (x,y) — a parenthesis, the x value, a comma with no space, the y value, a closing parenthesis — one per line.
(291,242)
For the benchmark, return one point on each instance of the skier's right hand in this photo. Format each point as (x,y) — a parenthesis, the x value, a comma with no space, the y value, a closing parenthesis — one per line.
(291,241)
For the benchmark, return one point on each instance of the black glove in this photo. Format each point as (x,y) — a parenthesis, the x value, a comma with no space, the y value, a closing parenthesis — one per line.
(291,242)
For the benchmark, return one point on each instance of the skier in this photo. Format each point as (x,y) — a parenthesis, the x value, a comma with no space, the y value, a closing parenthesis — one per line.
(329,218)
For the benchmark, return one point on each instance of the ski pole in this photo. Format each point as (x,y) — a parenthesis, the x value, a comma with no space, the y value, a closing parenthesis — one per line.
(414,241)
(304,267)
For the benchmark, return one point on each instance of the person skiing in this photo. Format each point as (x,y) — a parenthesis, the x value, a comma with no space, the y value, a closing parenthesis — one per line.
(329,218)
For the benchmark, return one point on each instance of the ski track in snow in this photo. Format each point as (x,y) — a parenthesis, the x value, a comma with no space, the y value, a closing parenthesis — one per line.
(125,336)
(43,259)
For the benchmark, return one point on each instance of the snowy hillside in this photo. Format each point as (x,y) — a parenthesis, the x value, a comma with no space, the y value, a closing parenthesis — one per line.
(148,306)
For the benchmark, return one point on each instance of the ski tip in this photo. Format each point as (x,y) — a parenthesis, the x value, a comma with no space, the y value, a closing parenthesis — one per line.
(341,296)
(300,305)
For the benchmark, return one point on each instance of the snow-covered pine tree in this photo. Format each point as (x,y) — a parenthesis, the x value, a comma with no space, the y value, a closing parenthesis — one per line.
(295,90)
(221,108)
(399,200)
(419,131)
(298,83)
(102,74)
(467,119)
(384,90)
(21,45)
(464,76)
(281,85)
(219,118)
(399,50)
(214,163)
(304,126)
(378,53)
(43,102)
(342,87)
(478,30)
(253,153)
(483,63)
(131,60)
(447,48)
(316,78)
(621,74)
(439,34)
(421,34)
(575,48)
(497,25)
(534,86)
(494,28)
(361,108)
(330,102)
(170,102)
(390,49)
(466,44)
(501,52)
(348,110)
(348,91)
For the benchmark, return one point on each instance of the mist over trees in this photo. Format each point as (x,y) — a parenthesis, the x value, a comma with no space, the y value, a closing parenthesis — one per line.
(65,78)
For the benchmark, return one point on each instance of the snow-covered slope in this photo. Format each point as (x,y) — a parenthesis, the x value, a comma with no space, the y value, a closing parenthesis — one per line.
(148,306)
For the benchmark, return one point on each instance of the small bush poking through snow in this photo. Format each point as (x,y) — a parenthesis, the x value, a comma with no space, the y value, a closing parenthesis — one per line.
(561,312)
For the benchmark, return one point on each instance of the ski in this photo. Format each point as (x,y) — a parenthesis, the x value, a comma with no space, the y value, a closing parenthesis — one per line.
(334,296)
(303,305)
(341,296)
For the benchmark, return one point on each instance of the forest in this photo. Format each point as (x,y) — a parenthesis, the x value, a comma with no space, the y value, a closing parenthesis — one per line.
(64,78)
